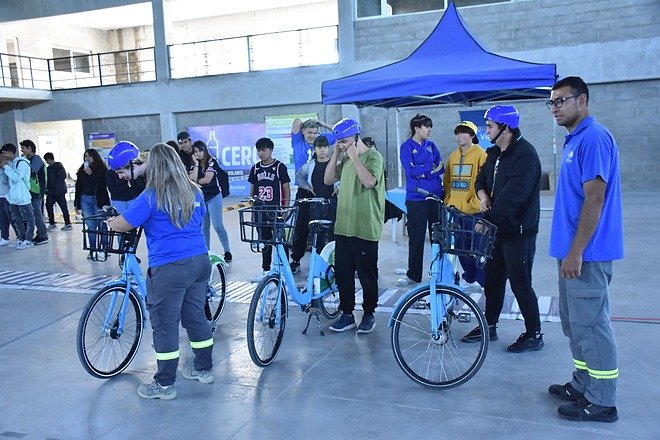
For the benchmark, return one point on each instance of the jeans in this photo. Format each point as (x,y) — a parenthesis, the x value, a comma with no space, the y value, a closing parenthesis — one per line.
(214,215)
(471,272)
(5,219)
(121,205)
(38,208)
(23,217)
(61,202)
(88,207)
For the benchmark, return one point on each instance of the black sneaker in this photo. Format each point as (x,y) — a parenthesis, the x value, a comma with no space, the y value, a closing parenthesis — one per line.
(295,266)
(42,240)
(527,342)
(228,257)
(586,411)
(368,323)
(565,392)
(343,323)
(475,334)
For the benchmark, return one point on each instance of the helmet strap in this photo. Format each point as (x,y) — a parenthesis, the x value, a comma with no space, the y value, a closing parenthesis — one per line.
(494,141)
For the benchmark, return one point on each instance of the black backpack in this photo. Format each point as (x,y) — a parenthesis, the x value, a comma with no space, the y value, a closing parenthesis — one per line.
(223,178)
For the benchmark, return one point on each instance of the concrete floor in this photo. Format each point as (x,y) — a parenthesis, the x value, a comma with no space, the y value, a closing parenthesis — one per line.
(338,385)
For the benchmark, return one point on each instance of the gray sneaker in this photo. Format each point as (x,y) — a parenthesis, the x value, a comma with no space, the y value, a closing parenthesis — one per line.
(368,324)
(51,227)
(67,227)
(154,391)
(202,376)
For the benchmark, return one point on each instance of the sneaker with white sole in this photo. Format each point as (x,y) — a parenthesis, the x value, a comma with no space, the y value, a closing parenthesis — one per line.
(258,277)
(153,390)
(343,323)
(400,271)
(25,244)
(51,227)
(405,281)
(67,227)
(4,242)
(368,323)
(202,376)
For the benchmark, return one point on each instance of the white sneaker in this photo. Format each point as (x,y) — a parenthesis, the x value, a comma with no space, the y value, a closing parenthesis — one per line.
(4,242)
(400,271)
(13,243)
(405,281)
(28,244)
(258,277)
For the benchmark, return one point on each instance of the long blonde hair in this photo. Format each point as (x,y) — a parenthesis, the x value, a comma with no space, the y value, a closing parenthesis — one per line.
(175,193)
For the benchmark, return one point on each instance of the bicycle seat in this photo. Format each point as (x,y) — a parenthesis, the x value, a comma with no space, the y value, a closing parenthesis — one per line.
(321,224)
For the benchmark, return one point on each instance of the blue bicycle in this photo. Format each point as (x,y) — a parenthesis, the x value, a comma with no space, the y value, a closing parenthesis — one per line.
(112,322)
(428,321)
(263,225)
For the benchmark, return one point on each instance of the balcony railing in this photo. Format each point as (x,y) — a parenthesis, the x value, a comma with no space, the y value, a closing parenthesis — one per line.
(304,47)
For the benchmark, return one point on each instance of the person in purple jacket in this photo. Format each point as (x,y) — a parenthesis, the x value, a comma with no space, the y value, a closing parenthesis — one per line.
(423,165)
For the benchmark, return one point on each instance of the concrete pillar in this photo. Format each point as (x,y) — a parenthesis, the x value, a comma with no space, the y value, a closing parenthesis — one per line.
(8,118)
(168,129)
(346,38)
(160,41)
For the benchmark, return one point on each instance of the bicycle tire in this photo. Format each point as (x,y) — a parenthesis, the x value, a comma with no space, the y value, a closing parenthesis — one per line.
(216,297)
(264,336)
(442,363)
(329,303)
(102,352)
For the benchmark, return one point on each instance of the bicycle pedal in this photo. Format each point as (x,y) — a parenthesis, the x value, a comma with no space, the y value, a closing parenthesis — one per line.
(464,317)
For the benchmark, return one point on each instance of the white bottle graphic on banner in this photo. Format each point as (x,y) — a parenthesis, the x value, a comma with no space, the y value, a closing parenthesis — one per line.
(213,145)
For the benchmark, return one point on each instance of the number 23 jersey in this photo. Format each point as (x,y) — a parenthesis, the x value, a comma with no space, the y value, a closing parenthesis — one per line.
(268,181)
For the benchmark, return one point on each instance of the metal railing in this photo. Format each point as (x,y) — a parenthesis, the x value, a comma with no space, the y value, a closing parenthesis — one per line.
(277,50)
(101,69)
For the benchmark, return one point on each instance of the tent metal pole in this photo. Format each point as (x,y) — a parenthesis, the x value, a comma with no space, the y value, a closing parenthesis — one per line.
(398,150)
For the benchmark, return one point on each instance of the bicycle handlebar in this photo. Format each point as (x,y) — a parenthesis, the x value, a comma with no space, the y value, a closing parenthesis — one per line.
(429,196)
(321,200)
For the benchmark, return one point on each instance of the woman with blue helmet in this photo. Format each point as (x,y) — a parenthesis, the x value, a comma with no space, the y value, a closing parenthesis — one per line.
(123,192)
(360,213)
(508,188)
(171,210)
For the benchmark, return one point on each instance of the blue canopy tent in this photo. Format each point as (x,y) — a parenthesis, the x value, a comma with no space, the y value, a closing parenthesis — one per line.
(449,67)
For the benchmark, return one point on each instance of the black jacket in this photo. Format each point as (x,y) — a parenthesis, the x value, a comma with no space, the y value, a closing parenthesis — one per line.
(119,189)
(98,178)
(514,190)
(56,176)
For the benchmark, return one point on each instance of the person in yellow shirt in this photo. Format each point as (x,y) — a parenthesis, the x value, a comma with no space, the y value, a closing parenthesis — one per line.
(461,170)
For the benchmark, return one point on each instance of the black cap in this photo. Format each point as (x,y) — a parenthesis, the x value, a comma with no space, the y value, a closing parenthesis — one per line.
(183,136)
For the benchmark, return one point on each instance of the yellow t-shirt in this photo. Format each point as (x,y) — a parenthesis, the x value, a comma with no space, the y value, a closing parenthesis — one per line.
(461,170)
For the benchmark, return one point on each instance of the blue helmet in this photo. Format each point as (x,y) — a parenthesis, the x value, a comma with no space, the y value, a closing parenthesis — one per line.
(503,114)
(122,153)
(346,128)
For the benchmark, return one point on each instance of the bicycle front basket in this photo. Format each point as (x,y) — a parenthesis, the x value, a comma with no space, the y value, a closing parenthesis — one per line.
(100,241)
(464,234)
(263,225)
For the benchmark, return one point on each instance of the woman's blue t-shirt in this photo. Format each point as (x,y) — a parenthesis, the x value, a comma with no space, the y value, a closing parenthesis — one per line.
(165,241)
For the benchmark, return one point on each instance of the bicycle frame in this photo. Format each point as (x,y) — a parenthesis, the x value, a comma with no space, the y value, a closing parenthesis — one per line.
(131,275)
(441,270)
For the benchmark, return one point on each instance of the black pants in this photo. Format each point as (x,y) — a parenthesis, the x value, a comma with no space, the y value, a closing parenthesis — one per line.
(267,254)
(61,202)
(301,231)
(512,260)
(354,254)
(421,215)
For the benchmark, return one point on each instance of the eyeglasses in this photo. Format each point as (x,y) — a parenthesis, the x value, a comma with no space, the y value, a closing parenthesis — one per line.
(558,103)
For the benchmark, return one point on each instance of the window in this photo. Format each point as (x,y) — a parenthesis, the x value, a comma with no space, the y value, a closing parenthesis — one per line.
(65,60)
(375,8)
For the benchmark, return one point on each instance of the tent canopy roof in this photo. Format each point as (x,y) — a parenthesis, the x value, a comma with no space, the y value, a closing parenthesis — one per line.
(450,66)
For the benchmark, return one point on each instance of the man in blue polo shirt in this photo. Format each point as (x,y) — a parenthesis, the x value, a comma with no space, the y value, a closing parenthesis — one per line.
(586,236)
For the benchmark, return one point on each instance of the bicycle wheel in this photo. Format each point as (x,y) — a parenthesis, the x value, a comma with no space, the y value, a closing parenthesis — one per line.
(264,328)
(216,293)
(441,362)
(330,302)
(102,351)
